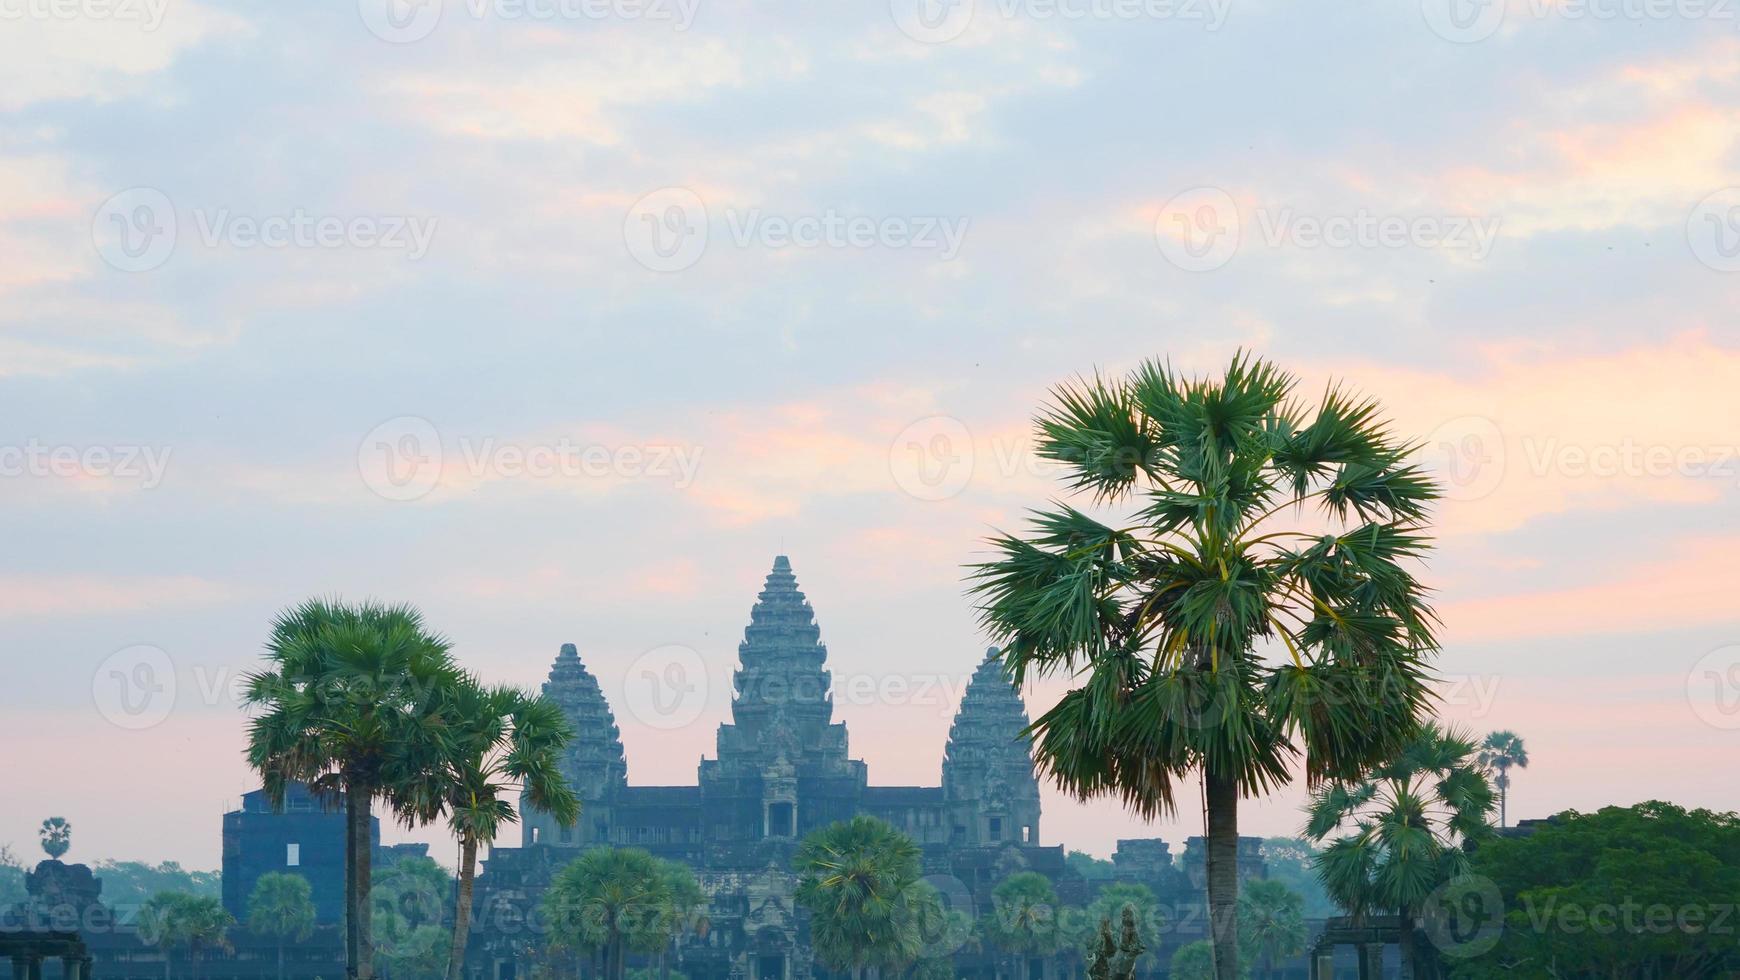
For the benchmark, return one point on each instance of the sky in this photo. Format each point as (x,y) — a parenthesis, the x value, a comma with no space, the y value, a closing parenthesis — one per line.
(561,318)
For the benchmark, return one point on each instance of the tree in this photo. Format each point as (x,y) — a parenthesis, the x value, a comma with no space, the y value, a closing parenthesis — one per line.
(858,878)
(346,704)
(12,889)
(1194,961)
(611,900)
(56,836)
(281,906)
(499,742)
(1404,831)
(1088,866)
(1023,921)
(1289,860)
(1641,891)
(194,922)
(410,900)
(1208,640)
(1501,751)
(130,884)
(1271,923)
(686,910)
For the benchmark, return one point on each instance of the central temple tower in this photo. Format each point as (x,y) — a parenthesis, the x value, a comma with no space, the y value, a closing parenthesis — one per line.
(782,768)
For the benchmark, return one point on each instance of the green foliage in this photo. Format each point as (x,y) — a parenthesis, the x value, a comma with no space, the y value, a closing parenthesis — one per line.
(1205,639)
(1023,920)
(859,879)
(127,885)
(1403,830)
(171,920)
(1271,923)
(1500,752)
(1088,866)
(619,900)
(1289,860)
(281,905)
(11,878)
(1195,961)
(1645,891)
(56,837)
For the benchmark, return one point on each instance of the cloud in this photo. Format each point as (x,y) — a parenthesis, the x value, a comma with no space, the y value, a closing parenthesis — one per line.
(99,51)
(23,596)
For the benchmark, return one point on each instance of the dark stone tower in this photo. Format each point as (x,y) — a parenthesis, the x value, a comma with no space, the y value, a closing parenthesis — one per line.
(593,763)
(782,769)
(990,792)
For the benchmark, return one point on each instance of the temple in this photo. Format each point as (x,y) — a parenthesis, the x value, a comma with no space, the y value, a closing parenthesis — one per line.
(783,768)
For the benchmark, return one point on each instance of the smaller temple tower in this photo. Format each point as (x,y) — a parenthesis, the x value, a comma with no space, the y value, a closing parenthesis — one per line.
(593,763)
(990,792)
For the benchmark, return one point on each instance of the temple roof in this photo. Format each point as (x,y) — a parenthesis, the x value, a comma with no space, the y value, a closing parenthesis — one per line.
(987,731)
(595,755)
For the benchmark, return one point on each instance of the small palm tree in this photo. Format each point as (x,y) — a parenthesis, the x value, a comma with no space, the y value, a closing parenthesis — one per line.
(1271,922)
(859,880)
(1404,831)
(1207,639)
(1499,753)
(281,906)
(1023,921)
(686,908)
(346,704)
(499,742)
(613,900)
(177,919)
(56,836)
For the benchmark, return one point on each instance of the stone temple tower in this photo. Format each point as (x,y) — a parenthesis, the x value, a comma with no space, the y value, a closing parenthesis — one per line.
(990,793)
(593,763)
(782,768)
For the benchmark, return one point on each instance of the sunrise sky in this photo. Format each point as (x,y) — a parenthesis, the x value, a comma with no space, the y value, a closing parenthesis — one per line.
(561,320)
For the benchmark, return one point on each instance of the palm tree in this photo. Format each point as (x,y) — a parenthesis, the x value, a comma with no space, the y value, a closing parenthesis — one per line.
(612,900)
(280,906)
(1209,640)
(1023,920)
(196,922)
(349,702)
(499,741)
(859,879)
(1271,922)
(1405,830)
(56,837)
(1498,753)
(686,905)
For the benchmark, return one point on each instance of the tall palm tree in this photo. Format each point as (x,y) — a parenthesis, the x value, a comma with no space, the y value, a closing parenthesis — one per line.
(1208,638)
(1271,922)
(349,703)
(1023,921)
(1501,751)
(56,837)
(614,900)
(281,906)
(499,742)
(1403,831)
(859,879)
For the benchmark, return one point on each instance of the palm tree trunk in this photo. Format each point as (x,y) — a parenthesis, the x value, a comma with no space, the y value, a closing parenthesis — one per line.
(1222,842)
(362,951)
(1410,968)
(280,958)
(462,907)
